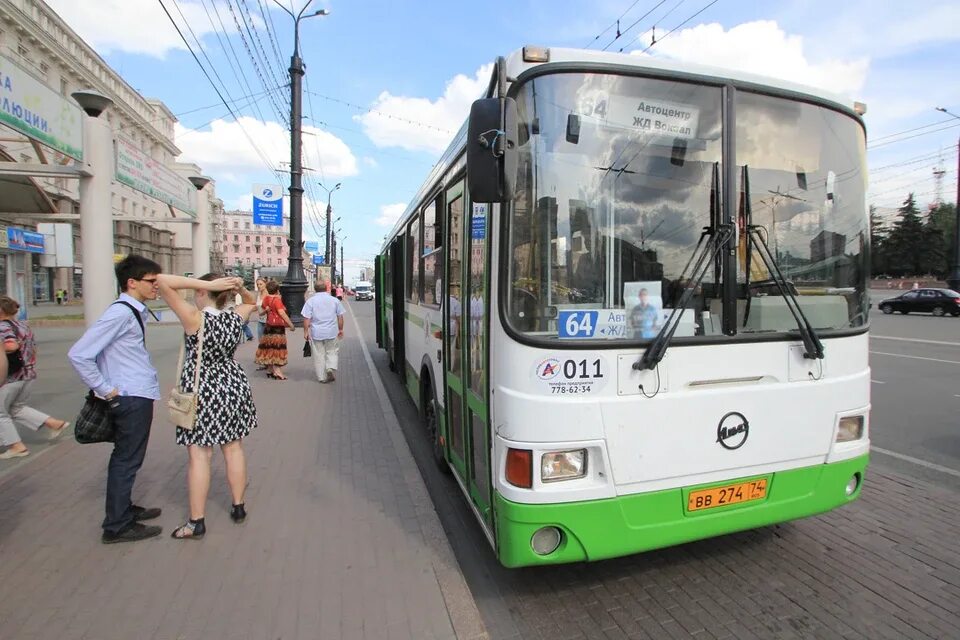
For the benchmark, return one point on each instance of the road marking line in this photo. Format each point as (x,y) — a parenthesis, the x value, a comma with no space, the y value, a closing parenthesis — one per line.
(952,344)
(917,461)
(877,382)
(900,355)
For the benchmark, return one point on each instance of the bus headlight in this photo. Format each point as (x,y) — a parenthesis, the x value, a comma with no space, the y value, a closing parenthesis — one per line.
(563,465)
(850,428)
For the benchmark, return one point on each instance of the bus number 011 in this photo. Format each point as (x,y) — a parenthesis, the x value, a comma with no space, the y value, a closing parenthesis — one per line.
(574,369)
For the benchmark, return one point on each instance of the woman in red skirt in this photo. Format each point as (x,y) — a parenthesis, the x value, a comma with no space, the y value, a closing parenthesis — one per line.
(272,351)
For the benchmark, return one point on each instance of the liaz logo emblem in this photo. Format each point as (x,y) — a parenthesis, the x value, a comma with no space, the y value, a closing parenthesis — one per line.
(548,369)
(733,430)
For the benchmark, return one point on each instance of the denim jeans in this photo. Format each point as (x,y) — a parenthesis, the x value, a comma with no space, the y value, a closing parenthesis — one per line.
(132,418)
(248,334)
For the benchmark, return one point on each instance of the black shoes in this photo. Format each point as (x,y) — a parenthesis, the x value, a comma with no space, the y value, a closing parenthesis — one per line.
(133,532)
(191,530)
(144,513)
(237,513)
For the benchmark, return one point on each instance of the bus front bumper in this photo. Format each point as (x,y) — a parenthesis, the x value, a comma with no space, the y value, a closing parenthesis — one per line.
(599,529)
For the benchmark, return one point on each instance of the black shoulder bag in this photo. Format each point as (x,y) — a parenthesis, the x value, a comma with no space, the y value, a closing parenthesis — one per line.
(94,424)
(14,358)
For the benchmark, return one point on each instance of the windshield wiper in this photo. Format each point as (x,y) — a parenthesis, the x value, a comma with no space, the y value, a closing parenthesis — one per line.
(705,254)
(812,347)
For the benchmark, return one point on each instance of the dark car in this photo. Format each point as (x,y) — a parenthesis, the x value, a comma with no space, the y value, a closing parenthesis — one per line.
(939,302)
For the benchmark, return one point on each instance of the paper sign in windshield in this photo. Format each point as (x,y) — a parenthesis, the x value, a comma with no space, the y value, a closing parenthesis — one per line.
(653,116)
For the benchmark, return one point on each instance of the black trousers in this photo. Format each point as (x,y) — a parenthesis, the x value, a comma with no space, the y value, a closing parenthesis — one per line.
(132,418)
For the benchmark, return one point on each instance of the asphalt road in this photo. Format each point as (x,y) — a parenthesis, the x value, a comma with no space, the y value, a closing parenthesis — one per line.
(872,569)
(915,363)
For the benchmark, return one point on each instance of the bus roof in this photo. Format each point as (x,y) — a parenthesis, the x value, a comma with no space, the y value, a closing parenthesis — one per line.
(565,57)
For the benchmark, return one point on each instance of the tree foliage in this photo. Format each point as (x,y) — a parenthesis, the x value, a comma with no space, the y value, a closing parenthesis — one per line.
(915,244)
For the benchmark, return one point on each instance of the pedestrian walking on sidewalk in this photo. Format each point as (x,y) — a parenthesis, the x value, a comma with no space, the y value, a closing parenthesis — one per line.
(225,409)
(21,352)
(112,359)
(323,328)
(339,292)
(272,351)
(261,285)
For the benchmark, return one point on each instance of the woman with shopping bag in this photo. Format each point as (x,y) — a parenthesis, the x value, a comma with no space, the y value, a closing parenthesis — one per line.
(272,350)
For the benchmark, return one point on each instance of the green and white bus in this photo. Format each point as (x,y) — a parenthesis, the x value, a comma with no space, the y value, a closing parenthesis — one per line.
(630,301)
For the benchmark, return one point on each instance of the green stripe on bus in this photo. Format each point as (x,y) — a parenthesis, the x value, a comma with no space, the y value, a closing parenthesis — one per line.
(414,319)
(599,529)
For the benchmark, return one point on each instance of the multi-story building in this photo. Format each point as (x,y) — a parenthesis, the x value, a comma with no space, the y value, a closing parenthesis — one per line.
(250,245)
(39,43)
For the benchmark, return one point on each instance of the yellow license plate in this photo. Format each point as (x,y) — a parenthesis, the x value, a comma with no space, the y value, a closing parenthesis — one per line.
(730,494)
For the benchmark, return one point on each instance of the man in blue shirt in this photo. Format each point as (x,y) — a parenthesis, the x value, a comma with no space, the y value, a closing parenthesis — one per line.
(323,328)
(112,359)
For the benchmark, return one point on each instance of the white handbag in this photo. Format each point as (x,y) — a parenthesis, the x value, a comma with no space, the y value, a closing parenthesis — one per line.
(182,405)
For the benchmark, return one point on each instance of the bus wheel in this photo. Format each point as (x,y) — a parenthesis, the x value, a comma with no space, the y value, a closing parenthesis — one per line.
(432,420)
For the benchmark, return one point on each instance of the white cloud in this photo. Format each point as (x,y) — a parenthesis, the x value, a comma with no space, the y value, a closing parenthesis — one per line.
(390,213)
(135,26)
(421,124)
(224,151)
(762,47)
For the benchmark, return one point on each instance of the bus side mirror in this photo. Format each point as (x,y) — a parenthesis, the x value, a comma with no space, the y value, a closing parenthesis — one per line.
(492,154)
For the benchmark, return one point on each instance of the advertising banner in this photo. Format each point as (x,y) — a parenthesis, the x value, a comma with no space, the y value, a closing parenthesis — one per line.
(312,246)
(141,172)
(268,205)
(39,112)
(23,240)
(317,259)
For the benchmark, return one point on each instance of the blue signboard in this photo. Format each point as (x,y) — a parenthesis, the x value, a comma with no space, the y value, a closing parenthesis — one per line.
(312,246)
(23,240)
(317,259)
(268,205)
(478,222)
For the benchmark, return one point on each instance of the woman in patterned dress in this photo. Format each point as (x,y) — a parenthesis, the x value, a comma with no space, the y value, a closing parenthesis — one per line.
(225,410)
(272,350)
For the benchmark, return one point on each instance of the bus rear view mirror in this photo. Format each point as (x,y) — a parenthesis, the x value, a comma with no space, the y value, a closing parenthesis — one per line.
(492,150)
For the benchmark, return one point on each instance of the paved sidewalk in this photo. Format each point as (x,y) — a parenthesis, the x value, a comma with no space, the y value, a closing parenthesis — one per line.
(342,540)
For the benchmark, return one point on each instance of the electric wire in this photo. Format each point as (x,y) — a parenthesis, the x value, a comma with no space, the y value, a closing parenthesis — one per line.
(611,25)
(635,23)
(231,57)
(206,74)
(667,35)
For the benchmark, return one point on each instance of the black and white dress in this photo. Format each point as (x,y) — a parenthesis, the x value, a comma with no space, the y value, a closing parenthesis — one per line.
(225,406)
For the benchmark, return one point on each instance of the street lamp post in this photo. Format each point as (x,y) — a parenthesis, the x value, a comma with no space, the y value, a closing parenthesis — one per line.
(294,286)
(343,269)
(326,248)
(953,279)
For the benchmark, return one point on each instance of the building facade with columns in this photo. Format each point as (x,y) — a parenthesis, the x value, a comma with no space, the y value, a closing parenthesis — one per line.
(36,43)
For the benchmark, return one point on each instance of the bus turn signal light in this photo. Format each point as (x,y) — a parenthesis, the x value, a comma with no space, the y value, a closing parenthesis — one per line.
(520,468)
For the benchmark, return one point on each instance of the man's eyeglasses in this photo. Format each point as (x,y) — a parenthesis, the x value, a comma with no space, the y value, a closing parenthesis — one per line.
(150,280)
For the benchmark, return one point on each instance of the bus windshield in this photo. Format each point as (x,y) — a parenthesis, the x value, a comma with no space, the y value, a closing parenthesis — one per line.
(620,176)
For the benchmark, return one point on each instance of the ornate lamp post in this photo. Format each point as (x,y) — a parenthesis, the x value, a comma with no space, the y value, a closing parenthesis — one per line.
(295,283)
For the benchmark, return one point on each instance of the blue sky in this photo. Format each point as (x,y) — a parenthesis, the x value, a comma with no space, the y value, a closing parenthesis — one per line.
(390,81)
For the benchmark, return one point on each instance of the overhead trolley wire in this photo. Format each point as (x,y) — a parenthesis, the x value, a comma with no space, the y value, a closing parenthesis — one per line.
(635,23)
(611,25)
(206,74)
(237,71)
(667,35)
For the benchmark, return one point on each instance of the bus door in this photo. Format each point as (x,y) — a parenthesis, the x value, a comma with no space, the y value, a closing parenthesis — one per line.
(396,347)
(378,307)
(465,346)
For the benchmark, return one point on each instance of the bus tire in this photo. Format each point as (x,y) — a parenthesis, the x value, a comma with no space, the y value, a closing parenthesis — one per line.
(431,420)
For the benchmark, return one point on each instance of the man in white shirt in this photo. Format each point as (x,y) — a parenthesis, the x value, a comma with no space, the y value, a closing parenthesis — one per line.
(323,328)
